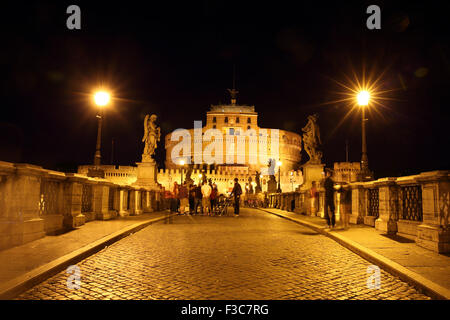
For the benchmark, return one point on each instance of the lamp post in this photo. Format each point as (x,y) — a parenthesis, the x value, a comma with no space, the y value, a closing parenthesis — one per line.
(101,99)
(279,163)
(363,98)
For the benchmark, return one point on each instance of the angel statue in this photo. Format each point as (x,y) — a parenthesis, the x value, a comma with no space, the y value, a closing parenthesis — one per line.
(152,135)
(311,139)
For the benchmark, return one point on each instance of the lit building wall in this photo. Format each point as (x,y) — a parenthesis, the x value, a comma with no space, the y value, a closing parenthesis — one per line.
(235,122)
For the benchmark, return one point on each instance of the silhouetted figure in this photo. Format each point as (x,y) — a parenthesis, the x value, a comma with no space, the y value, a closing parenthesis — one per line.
(236,193)
(198,199)
(329,200)
(192,189)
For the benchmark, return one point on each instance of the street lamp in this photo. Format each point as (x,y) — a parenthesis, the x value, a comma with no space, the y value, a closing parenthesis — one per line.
(279,163)
(363,99)
(101,99)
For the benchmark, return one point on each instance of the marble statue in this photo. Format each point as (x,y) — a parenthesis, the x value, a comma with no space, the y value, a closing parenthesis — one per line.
(152,135)
(311,139)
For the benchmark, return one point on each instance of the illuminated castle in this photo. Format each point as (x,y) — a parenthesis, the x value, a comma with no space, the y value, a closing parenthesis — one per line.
(243,149)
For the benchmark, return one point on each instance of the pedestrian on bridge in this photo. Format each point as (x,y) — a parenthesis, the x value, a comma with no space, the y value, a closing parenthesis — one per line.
(198,199)
(329,200)
(206,202)
(236,193)
(213,197)
(191,189)
(183,195)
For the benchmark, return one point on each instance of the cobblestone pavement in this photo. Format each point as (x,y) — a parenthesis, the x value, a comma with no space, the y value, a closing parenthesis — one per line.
(254,256)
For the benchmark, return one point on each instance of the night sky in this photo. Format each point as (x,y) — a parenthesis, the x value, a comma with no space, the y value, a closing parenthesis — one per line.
(176,58)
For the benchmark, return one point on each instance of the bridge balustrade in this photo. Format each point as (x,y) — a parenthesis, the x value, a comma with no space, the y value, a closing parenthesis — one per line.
(35,202)
(415,207)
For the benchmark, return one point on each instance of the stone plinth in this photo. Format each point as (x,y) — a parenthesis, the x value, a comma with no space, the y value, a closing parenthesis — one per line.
(146,175)
(434,232)
(73,189)
(101,207)
(20,220)
(388,205)
(312,172)
(358,204)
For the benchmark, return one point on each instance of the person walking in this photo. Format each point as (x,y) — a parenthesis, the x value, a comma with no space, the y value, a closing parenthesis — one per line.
(206,202)
(329,200)
(175,201)
(191,190)
(198,199)
(213,197)
(345,204)
(236,193)
(183,195)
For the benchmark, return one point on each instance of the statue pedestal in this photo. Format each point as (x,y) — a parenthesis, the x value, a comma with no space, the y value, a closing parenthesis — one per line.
(271,185)
(146,175)
(312,172)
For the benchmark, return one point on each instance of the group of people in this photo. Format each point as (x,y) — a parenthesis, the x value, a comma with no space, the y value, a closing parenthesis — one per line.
(200,199)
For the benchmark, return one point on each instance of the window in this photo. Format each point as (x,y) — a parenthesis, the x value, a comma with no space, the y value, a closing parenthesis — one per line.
(249,120)
(248,127)
(226,119)
(231,131)
(237,120)
(214,126)
(214,120)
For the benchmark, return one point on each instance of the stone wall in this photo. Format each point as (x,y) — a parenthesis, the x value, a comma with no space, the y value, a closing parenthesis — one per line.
(415,207)
(35,202)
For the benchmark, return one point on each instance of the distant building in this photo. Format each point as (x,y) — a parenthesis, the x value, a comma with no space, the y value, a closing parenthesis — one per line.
(234,122)
(346,171)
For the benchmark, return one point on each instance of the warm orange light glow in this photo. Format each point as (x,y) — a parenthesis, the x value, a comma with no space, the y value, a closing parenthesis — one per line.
(101,98)
(363,98)
(357,90)
(279,163)
(182,162)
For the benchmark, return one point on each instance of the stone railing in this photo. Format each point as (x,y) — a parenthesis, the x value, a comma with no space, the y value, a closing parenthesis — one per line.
(415,207)
(35,202)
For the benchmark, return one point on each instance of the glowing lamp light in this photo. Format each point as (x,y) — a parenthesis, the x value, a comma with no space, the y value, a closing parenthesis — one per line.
(182,162)
(279,163)
(363,98)
(101,98)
